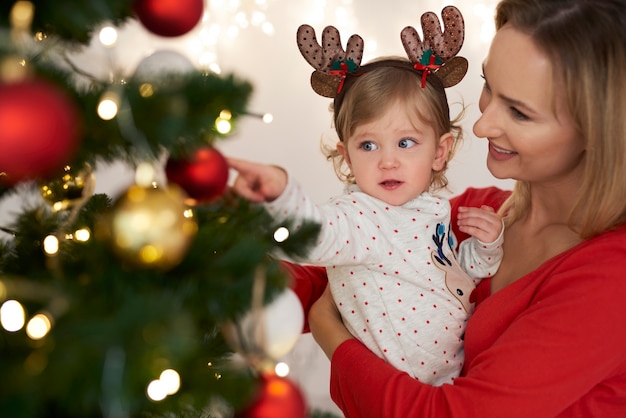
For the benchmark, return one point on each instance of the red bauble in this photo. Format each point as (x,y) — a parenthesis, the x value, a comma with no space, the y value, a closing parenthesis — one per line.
(39,130)
(169,17)
(277,397)
(203,177)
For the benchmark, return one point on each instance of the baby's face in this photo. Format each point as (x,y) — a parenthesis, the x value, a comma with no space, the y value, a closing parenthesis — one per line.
(392,158)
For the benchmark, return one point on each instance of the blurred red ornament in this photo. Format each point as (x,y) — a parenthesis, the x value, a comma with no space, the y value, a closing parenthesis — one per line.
(169,17)
(39,130)
(203,177)
(277,397)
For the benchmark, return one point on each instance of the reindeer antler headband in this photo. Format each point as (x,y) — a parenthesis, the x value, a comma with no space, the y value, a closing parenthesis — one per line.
(434,56)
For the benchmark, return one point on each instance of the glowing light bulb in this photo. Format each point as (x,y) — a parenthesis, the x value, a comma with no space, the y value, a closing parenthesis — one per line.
(156,390)
(38,326)
(171,380)
(281,369)
(108,36)
(21,14)
(108,106)
(281,234)
(82,234)
(223,126)
(12,315)
(51,245)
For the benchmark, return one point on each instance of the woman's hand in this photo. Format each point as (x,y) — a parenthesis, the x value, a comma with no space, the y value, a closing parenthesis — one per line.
(326,324)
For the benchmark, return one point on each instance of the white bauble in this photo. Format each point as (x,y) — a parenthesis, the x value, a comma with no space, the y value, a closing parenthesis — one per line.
(272,332)
(161,63)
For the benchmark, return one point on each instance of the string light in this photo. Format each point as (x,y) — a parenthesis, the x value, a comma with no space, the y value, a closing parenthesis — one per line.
(108,106)
(267,118)
(168,383)
(82,234)
(223,124)
(108,36)
(38,326)
(51,245)
(281,234)
(281,369)
(156,391)
(12,315)
(171,381)
(21,15)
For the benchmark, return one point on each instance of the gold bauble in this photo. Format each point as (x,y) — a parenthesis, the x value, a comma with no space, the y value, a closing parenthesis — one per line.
(73,185)
(152,227)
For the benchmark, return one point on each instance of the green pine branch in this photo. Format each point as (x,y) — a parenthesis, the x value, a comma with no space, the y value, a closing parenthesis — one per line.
(118,325)
(73,21)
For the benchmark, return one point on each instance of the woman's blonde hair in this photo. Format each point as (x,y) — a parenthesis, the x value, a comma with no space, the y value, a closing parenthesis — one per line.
(377,90)
(586,41)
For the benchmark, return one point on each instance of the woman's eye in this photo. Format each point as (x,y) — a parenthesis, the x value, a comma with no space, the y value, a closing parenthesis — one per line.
(406,143)
(518,115)
(368,146)
(485,84)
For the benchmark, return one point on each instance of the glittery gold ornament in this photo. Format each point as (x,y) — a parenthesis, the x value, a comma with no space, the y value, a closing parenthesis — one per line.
(152,227)
(74,185)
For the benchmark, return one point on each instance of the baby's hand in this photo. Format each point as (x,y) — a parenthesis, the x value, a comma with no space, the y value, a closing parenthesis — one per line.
(258,182)
(481,223)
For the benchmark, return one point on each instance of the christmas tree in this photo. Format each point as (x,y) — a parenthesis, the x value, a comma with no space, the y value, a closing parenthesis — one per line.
(133,306)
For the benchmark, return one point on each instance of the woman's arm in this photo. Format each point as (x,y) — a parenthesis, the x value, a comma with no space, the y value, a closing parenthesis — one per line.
(326,324)
(549,345)
(308,282)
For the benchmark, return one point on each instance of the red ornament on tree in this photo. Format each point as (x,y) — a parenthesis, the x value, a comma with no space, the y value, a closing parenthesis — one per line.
(203,177)
(39,130)
(277,397)
(169,17)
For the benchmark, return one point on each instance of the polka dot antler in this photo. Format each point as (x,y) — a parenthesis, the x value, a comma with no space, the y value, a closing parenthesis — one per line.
(437,52)
(435,55)
(330,61)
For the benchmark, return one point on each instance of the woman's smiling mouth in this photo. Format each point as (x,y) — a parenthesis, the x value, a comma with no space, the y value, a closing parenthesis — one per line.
(500,154)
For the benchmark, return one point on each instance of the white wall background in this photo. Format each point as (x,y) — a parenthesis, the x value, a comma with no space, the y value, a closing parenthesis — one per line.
(280,76)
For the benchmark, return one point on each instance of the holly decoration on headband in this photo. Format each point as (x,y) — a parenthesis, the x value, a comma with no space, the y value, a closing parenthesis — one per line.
(348,65)
(428,64)
(341,69)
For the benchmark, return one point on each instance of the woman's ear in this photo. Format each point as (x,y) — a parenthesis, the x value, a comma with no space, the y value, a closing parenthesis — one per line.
(442,151)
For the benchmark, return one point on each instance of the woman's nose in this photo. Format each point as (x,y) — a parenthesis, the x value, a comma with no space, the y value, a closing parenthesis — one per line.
(488,124)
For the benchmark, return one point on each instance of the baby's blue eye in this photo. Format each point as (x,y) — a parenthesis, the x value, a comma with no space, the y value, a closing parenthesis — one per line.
(406,143)
(369,146)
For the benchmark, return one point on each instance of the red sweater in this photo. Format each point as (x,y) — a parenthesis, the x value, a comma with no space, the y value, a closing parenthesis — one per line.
(552,344)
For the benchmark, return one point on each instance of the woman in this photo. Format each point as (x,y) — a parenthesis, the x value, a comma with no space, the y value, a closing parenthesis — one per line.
(548,336)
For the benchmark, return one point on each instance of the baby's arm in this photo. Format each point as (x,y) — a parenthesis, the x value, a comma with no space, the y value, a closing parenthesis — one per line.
(258,182)
(481,254)
(481,223)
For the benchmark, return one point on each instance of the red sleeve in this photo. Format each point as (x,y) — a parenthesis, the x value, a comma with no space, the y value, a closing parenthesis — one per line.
(308,282)
(549,345)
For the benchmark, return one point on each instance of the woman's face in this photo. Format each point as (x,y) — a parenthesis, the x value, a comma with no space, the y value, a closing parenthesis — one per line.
(531,134)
